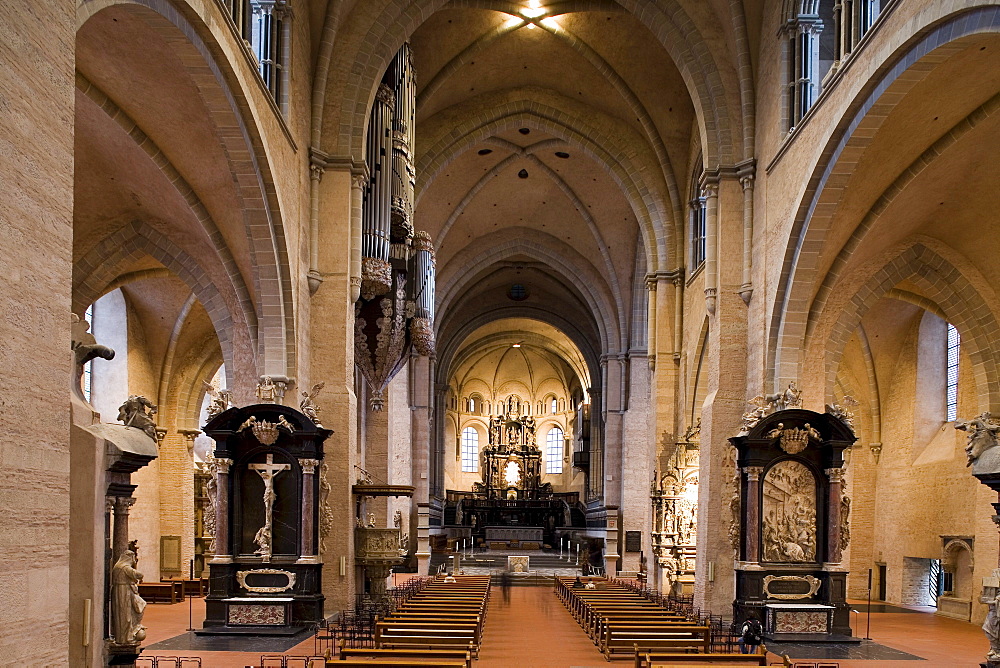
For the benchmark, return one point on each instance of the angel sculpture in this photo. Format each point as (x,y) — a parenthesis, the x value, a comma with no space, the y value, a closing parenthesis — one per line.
(753,416)
(308,403)
(220,399)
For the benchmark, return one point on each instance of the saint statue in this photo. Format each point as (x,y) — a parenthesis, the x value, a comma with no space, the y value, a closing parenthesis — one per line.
(126,605)
(992,628)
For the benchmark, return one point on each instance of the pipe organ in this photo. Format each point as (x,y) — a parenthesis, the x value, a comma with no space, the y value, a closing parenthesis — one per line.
(396,307)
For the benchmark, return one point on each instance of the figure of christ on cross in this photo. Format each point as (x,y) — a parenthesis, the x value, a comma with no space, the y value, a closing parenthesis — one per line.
(267,472)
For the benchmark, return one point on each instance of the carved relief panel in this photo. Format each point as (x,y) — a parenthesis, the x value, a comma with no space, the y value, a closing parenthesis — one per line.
(788,530)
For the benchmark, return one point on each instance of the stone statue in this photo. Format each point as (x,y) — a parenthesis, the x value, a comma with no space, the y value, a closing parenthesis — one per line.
(779,401)
(85,346)
(134,414)
(982,435)
(842,411)
(992,628)
(371,520)
(127,606)
(267,391)
(308,403)
(220,399)
(792,397)
(753,416)
(397,519)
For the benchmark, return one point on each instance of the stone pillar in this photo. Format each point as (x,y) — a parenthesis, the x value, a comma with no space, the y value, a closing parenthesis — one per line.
(751,527)
(834,548)
(710,191)
(331,358)
(611,555)
(726,376)
(308,539)
(120,541)
(746,286)
(423,539)
(222,555)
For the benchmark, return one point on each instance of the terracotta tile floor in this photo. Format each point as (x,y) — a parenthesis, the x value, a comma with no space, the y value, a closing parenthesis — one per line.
(534,630)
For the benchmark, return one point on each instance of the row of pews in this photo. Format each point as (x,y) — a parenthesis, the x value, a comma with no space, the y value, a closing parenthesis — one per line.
(621,621)
(440,626)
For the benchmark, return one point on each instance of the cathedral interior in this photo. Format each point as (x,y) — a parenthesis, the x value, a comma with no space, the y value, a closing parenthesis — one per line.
(689,292)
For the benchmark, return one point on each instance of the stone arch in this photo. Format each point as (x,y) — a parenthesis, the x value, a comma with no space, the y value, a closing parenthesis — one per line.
(448,352)
(612,144)
(377,32)
(100,268)
(906,66)
(230,109)
(949,555)
(488,250)
(946,286)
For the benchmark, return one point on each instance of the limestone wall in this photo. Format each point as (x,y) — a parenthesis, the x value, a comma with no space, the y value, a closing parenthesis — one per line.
(36,135)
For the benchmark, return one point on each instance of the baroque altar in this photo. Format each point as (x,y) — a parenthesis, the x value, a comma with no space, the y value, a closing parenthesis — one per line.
(266,572)
(790,507)
(512,463)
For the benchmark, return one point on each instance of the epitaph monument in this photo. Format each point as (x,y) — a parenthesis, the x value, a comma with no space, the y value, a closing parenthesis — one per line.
(790,496)
(266,572)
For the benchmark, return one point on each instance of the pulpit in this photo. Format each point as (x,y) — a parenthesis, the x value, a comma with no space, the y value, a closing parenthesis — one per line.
(265,577)
(793,525)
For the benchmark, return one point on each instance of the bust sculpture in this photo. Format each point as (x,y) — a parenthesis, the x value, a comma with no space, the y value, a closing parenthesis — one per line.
(126,604)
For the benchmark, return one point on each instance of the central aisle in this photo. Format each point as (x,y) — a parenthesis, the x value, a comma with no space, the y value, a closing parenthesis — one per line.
(534,630)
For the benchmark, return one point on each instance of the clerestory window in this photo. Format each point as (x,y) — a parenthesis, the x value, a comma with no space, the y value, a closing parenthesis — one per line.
(954,345)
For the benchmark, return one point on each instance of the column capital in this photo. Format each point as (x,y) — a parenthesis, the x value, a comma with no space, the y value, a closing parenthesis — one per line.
(753,472)
(123,504)
(222,464)
(835,475)
(309,465)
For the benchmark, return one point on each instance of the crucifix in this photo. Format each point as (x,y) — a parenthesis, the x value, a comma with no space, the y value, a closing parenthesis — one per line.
(267,472)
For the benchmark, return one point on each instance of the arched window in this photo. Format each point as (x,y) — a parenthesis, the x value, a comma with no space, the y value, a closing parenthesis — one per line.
(554,406)
(697,207)
(954,345)
(88,368)
(470,450)
(820,37)
(554,450)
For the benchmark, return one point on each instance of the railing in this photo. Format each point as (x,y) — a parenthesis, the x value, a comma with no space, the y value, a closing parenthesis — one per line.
(357,627)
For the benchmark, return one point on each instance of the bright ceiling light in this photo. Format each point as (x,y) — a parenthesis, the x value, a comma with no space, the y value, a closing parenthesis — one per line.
(532,12)
(516,345)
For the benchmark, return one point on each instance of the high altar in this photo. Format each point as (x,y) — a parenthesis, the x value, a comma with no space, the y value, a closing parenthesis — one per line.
(792,525)
(512,506)
(266,572)
(512,463)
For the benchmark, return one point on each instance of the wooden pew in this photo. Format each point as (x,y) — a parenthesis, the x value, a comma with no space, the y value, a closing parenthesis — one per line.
(678,638)
(648,659)
(457,654)
(396,663)
(159,591)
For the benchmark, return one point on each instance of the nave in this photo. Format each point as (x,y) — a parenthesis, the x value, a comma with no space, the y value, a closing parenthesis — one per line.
(534,630)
